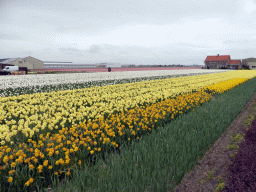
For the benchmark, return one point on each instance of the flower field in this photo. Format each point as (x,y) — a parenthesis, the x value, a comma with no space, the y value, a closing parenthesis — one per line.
(57,79)
(119,69)
(46,135)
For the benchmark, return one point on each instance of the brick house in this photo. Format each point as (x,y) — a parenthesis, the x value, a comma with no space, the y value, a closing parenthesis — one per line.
(234,64)
(221,61)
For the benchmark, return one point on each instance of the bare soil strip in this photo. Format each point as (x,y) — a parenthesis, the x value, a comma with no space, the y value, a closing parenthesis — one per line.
(241,173)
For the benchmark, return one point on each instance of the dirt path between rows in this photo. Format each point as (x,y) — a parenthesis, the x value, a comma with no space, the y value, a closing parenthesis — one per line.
(212,169)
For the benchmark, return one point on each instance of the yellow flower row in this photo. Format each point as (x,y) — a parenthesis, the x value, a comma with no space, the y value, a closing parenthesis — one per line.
(226,85)
(26,115)
(57,153)
(54,154)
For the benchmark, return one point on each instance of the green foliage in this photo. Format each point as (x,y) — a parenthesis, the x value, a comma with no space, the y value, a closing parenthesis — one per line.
(210,175)
(220,179)
(238,138)
(202,182)
(221,184)
(220,187)
(249,120)
(232,147)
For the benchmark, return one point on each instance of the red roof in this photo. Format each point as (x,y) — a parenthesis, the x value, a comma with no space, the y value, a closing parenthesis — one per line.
(234,62)
(218,58)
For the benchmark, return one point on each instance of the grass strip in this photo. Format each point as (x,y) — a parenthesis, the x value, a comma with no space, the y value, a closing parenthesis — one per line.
(158,161)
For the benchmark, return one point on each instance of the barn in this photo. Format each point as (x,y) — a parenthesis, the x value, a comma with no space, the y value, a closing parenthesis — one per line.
(29,62)
(251,62)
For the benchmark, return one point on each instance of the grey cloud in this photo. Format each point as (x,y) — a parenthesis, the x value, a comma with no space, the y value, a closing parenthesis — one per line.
(97,14)
(242,41)
(94,49)
(27,53)
(72,51)
(191,45)
(67,26)
(69,49)
(123,52)
(6,36)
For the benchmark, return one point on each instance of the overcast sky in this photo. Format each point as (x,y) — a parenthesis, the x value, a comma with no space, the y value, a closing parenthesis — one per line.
(127,31)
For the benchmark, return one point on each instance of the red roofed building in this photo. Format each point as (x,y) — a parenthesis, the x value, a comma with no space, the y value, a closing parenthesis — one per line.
(221,61)
(234,64)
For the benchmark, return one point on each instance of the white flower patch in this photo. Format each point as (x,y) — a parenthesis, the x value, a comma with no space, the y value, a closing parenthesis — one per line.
(72,78)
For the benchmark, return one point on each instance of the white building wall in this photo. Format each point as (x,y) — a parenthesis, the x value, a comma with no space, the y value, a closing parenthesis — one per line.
(252,65)
(29,62)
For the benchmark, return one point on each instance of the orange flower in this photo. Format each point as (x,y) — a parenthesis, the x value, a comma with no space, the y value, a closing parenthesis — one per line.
(57,162)
(31,180)
(35,160)
(13,164)
(45,163)
(11,172)
(76,149)
(31,167)
(27,183)
(10,179)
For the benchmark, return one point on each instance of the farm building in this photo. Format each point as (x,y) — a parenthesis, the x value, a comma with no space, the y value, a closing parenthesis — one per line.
(67,65)
(251,62)
(29,62)
(234,64)
(222,61)
(71,65)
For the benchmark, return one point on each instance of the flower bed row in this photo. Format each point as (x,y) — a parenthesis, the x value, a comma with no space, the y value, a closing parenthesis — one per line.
(30,115)
(158,161)
(58,153)
(75,78)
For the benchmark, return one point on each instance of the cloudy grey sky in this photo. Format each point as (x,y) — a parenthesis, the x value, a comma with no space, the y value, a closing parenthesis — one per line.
(128,31)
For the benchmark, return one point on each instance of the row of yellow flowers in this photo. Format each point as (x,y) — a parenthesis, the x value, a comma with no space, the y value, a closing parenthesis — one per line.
(58,153)
(23,116)
(224,86)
